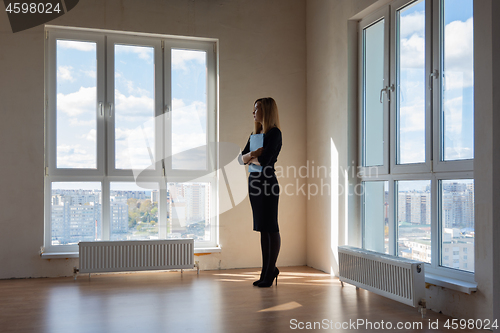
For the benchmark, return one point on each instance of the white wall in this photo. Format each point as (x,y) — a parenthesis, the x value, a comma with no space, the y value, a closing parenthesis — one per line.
(327,126)
(330,137)
(262,53)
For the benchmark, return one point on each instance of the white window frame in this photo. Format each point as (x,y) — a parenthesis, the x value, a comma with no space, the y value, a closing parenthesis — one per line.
(433,169)
(424,167)
(382,14)
(438,164)
(111,40)
(106,173)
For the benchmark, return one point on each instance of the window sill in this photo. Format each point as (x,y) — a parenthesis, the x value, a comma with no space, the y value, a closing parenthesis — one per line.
(74,255)
(208,250)
(59,255)
(454,284)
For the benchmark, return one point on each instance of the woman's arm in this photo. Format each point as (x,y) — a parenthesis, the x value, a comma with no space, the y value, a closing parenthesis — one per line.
(244,158)
(248,156)
(254,160)
(252,156)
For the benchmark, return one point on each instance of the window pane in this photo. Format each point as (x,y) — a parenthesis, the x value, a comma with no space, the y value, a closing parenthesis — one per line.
(189,109)
(373,82)
(134,211)
(75,212)
(414,219)
(458,80)
(457,222)
(188,211)
(375,214)
(76,101)
(134,107)
(410,104)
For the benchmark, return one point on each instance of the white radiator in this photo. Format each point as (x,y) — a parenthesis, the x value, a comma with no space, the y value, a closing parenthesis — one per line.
(397,278)
(122,256)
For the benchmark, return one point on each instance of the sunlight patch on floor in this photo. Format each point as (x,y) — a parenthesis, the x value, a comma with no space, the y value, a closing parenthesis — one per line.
(282,307)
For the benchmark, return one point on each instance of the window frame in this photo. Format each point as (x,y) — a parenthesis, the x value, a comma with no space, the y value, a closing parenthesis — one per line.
(424,167)
(433,169)
(437,164)
(50,98)
(105,173)
(381,14)
(110,114)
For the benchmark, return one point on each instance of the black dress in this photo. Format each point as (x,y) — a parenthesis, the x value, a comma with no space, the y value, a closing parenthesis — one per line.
(263,187)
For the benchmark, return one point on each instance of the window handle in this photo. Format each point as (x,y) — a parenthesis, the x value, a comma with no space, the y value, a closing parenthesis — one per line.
(382,91)
(386,90)
(101,108)
(167,111)
(110,110)
(434,74)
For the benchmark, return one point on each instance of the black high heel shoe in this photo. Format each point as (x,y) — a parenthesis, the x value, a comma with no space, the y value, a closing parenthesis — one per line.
(262,274)
(267,284)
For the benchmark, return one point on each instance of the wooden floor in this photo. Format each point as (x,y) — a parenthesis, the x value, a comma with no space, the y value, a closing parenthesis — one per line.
(215,301)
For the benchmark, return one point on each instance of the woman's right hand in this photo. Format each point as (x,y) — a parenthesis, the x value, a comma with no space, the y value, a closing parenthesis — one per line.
(257,152)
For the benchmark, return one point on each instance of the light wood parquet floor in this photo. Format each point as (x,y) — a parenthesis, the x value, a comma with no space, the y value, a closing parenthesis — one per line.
(222,301)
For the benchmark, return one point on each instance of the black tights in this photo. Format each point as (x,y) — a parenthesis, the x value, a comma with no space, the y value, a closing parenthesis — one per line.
(270,243)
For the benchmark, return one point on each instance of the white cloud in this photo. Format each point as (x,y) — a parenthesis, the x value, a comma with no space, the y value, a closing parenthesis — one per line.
(411,24)
(177,104)
(457,144)
(132,140)
(412,132)
(189,136)
(133,108)
(188,125)
(412,40)
(77,45)
(183,141)
(412,118)
(412,52)
(81,123)
(75,156)
(453,110)
(91,74)
(132,89)
(458,49)
(458,153)
(64,73)
(79,102)
(454,80)
(121,134)
(135,145)
(91,135)
(143,52)
(180,58)
(412,151)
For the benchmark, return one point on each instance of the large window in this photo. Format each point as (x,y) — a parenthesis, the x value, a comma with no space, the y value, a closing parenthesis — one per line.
(129,118)
(416,133)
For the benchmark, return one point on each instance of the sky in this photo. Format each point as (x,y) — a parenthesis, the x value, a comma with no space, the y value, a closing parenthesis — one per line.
(134,114)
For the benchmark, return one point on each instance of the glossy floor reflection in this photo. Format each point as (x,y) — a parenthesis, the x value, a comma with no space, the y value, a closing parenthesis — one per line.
(215,301)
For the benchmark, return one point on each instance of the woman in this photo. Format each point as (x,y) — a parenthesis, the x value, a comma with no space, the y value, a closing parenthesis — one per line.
(263,188)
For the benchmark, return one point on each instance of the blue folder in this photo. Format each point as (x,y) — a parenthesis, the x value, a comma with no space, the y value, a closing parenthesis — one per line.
(256,141)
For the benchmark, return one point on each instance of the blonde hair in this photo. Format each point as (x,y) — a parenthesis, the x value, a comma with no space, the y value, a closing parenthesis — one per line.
(270,117)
